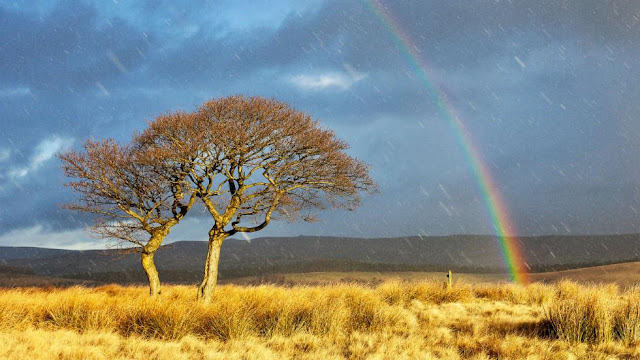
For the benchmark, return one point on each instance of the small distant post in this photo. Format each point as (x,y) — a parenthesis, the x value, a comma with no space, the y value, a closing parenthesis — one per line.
(449,280)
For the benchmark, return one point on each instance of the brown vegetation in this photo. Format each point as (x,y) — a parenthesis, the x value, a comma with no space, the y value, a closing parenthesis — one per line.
(343,321)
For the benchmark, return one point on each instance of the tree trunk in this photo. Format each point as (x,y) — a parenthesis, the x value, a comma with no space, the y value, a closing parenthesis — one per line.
(210,278)
(148,252)
(152,273)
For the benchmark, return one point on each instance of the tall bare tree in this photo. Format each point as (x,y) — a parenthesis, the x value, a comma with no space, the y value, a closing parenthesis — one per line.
(135,192)
(257,160)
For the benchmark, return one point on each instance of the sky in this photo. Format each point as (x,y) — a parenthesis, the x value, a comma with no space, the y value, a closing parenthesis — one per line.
(548,91)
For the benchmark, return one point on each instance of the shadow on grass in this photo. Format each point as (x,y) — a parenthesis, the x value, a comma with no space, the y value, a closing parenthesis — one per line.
(542,329)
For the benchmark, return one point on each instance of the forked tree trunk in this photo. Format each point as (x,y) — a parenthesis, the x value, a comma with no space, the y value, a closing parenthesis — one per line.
(210,277)
(152,273)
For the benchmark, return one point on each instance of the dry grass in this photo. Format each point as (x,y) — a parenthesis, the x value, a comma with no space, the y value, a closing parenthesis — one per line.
(595,314)
(395,320)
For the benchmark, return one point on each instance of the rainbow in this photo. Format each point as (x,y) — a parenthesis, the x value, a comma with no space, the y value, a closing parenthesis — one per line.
(503,227)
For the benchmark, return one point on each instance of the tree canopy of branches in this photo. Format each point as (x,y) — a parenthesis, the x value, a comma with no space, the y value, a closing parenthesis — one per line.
(136,195)
(251,160)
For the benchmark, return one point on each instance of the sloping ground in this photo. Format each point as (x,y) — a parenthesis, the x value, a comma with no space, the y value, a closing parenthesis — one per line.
(625,275)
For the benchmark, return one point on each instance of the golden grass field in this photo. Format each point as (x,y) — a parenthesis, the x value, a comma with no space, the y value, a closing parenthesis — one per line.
(393,320)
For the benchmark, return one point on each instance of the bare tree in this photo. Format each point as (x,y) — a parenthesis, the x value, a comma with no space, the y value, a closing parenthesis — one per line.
(135,191)
(257,160)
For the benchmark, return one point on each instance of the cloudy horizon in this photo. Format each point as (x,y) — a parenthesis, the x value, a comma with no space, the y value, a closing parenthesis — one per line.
(548,91)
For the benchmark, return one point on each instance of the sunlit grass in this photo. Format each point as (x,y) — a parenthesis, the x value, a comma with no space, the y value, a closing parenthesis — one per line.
(393,320)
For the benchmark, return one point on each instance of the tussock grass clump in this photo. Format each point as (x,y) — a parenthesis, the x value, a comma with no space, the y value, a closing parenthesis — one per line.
(626,318)
(582,316)
(595,314)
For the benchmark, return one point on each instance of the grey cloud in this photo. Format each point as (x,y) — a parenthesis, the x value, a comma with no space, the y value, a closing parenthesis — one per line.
(66,47)
(544,88)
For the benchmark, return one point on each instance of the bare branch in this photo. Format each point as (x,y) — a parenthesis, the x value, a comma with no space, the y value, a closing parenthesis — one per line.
(133,189)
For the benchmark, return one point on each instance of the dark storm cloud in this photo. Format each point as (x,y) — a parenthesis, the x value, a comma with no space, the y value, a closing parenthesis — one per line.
(64,61)
(549,93)
(66,49)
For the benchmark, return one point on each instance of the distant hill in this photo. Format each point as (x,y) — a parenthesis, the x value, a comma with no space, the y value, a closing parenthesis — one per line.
(13,253)
(624,274)
(183,261)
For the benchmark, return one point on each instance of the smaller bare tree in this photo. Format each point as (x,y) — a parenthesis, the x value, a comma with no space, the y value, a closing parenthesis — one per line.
(136,193)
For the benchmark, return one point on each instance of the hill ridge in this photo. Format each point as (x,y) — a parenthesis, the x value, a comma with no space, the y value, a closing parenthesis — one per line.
(183,260)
